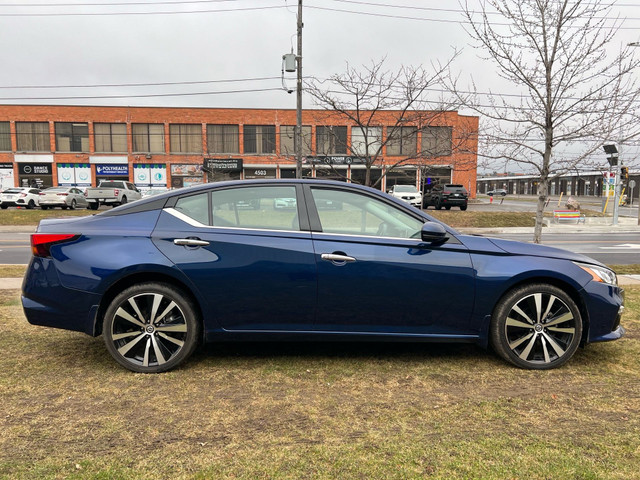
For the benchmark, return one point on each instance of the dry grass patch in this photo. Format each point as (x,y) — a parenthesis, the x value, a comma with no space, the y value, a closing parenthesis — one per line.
(325,411)
(22,216)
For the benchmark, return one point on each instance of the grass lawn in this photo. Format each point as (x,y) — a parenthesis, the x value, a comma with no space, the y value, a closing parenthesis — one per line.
(321,411)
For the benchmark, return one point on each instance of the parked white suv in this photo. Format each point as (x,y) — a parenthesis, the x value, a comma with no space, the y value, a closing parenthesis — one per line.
(408,193)
(20,197)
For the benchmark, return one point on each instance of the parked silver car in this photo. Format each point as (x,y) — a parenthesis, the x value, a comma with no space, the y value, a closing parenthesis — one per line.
(63,197)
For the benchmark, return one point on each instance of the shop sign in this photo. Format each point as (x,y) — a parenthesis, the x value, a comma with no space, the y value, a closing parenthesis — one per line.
(112,170)
(34,168)
(150,175)
(74,174)
(187,170)
(6,165)
(335,160)
(222,164)
(251,173)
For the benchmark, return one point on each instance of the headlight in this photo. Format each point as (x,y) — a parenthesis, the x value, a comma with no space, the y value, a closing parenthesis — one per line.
(599,274)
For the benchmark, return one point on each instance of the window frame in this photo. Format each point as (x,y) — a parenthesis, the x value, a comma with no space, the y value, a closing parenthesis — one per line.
(303,219)
(316,224)
(307,139)
(75,139)
(180,141)
(432,131)
(35,138)
(147,136)
(110,137)
(247,138)
(227,132)
(328,133)
(5,136)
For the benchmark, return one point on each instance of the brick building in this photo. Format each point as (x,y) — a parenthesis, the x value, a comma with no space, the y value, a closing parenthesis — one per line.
(158,147)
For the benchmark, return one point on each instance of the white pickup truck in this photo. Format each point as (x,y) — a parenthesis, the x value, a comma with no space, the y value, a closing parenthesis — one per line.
(112,192)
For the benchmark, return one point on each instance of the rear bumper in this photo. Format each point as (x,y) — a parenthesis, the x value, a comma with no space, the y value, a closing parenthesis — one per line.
(454,201)
(48,303)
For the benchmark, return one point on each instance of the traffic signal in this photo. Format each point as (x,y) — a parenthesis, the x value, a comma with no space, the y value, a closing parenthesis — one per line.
(624,171)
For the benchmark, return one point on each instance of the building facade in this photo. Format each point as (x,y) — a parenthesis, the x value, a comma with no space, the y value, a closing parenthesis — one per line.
(156,147)
(586,183)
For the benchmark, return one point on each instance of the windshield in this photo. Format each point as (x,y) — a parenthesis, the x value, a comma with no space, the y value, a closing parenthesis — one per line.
(405,188)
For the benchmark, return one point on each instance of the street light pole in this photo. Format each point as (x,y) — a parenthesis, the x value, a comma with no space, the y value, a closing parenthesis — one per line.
(298,133)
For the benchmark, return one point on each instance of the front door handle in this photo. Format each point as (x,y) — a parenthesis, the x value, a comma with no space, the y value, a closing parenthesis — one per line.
(337,258)
(191,242)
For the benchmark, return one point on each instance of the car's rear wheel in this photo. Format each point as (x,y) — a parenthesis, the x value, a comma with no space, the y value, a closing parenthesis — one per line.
(93,206)
(448,207)
(73,204)
(536,326)
(43,207)
(31,205)
(463,207)
(438,205)
(151,327)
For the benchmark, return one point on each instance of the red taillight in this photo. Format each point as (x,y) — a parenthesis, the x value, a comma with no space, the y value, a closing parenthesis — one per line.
(22,195)
(116,192)
(447,192)
(41,243)
(62,194)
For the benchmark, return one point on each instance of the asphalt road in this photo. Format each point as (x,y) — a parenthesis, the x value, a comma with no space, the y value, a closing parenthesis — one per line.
(611,248)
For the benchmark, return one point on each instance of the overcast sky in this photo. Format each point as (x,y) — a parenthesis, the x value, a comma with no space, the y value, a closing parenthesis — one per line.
(83,43)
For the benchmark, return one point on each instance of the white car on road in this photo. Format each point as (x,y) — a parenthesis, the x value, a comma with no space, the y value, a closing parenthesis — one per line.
(408,193)
(20,197)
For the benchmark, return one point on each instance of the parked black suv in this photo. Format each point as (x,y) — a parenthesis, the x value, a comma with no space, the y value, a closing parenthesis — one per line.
(447,196)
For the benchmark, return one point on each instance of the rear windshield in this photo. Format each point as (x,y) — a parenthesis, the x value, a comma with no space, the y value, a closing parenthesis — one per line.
(111,184)
(12,190)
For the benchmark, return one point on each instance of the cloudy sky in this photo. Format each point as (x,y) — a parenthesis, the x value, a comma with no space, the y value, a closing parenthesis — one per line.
(202,51)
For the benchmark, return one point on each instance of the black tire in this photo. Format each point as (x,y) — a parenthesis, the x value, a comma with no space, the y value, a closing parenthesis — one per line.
(4,207)
(503,194)
(31,205)
(536,326)
(73,204)
(438,205)
(63,207)
(146,345)
(448,207)
(124,200)
(490,194)
(463,207)
(43,207)
(93,206)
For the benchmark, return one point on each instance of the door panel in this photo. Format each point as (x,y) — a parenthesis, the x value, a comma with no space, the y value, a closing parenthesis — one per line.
(397,286)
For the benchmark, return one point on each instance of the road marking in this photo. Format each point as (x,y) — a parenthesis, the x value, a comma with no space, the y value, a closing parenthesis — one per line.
(623,246)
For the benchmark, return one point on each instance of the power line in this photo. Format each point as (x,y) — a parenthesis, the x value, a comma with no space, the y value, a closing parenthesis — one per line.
(141,84)
(98,14)
(150,95)
(423,19)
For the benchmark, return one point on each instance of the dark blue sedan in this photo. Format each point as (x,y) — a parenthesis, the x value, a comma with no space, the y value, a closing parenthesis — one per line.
(158,276)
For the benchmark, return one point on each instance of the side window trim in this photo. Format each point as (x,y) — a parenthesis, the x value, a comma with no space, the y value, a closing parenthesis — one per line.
(301,205)
(314,217)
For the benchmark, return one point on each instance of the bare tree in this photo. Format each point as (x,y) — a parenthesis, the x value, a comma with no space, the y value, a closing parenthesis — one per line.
(576,91)
(373,99)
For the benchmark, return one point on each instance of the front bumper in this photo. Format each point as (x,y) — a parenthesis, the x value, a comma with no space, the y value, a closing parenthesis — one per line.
(605,304)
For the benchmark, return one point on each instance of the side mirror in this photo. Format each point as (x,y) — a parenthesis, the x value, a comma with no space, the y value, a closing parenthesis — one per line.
(433,232)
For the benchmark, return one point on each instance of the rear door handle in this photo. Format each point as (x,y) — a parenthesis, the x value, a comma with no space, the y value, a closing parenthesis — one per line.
(191,242)
(336,258)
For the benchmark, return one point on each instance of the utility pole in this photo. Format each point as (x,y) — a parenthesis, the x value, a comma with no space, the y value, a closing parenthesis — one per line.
(298,132)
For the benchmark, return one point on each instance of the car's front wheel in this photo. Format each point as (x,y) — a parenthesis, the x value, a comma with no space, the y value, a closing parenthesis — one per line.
(536,326)
(151,327)
(463,207)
